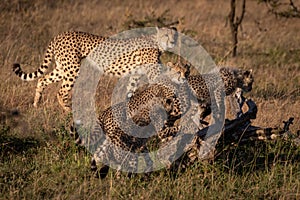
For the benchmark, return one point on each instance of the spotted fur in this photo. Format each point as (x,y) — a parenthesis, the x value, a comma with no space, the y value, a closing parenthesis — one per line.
(149,111)
(213,87)
(125,124)
(117,57)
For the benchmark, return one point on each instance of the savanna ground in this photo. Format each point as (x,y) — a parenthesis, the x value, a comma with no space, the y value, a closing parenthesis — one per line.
(39,160)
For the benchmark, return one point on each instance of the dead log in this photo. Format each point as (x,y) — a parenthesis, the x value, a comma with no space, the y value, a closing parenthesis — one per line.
(239,131)
(241,128)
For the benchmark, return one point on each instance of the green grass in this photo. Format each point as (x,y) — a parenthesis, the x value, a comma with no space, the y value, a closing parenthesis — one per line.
(59,169)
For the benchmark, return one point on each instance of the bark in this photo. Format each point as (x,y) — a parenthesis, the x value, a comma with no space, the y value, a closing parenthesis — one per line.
(235,22)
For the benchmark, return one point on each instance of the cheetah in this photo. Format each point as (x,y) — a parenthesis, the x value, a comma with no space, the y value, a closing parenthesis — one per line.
(148,111)
(116,57)
(232,79)
(115,123)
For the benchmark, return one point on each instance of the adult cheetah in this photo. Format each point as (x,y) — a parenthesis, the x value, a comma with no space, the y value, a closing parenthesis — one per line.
(117,57)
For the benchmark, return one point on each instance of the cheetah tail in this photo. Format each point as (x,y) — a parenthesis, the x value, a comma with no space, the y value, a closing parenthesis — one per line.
(39,72)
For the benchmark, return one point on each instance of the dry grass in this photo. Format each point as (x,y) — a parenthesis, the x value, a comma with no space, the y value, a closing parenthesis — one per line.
(39,160)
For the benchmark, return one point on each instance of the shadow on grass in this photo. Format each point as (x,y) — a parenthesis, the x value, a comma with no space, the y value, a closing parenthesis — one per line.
(11,145)
(257,155)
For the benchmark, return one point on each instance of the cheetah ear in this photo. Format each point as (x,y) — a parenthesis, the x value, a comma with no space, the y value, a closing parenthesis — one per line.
(248,72)
(173,28)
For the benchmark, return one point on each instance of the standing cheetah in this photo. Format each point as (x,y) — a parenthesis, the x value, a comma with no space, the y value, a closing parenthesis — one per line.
(117,57)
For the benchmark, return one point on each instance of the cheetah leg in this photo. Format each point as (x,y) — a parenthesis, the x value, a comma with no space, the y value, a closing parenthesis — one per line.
(133,85)
(208,145)
(102,172)
(64,94)
(218,106)
(74,134)
(158,117)
(240,99)
(237,101)
(198,113)
(53,77)
(204,111)
(196,117)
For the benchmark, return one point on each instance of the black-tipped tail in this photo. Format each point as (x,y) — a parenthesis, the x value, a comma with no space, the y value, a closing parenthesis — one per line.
(17,69)
(24,76)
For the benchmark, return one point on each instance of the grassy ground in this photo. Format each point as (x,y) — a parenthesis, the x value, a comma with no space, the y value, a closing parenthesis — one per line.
(39,160)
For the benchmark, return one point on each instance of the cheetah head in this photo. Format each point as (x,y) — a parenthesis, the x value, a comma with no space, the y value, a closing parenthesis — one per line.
(166,38)
(246,80)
